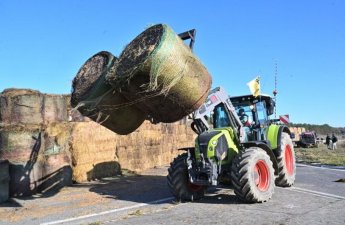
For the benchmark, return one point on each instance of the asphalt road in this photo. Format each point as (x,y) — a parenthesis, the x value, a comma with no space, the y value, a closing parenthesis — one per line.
(316,198)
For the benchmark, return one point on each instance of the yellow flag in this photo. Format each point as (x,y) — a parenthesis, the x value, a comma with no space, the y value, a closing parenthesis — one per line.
(254,86)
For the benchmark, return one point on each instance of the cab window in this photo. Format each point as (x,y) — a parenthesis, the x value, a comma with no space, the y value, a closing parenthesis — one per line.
(261,112)
(247,111)
(220,117)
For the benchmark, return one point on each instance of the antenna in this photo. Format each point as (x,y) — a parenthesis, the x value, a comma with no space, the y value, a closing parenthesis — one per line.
(275,92)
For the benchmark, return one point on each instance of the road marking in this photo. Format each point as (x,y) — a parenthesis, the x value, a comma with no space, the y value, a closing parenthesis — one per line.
(319,167)
(317,193)
(109,211)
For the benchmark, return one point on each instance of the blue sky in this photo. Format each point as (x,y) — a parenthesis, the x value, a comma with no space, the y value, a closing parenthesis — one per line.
(44,43)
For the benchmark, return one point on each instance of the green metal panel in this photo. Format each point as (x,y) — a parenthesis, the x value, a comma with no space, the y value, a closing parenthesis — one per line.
(272,135)
(232,150)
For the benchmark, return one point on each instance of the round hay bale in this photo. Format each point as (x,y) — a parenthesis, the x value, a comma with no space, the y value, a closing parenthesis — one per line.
(160,73)
(84,85)
(21,106)
(96,99)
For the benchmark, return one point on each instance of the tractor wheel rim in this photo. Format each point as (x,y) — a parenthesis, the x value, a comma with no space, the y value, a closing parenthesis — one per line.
(289,160)
(261,175)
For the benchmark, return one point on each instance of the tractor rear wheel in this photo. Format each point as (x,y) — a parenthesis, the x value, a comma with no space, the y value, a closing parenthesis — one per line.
(286,162)
(252,175)
(178,181)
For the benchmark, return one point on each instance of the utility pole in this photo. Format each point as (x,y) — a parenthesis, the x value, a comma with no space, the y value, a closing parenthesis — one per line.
(275,91)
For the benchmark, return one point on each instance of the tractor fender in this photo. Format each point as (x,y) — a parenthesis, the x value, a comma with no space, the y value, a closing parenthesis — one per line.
(274,133)
(267,149)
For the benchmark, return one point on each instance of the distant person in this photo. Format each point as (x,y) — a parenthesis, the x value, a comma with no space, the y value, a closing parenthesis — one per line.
(334,142)
(244,118)
(328,141)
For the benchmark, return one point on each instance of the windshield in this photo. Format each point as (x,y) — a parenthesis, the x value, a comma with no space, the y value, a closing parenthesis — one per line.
(220,117)
(245,114)
(261,111)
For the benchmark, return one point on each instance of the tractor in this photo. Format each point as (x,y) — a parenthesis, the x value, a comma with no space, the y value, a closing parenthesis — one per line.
(254,155)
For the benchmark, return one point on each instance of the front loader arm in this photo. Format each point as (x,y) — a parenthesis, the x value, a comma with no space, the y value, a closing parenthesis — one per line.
(216,96)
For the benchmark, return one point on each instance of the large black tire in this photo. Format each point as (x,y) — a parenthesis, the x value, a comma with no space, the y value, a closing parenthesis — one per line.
(252,175)
(286,162)
(178,181)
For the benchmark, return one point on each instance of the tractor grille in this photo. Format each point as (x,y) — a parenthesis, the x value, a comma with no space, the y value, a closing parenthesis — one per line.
(222,147)
(203,149)
(204,139)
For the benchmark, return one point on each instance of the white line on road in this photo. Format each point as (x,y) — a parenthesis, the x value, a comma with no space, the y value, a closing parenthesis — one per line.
(108,212)
(317,193)
(319,167)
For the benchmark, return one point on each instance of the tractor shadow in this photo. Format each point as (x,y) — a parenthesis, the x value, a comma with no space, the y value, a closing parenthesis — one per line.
(223,194)
(132,188)
(146,188)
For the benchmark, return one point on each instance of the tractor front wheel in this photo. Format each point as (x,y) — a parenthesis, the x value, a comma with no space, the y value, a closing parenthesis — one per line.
(252,175)
(178,181)
(286,162)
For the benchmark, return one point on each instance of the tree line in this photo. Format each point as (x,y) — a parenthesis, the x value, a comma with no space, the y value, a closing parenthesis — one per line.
(320,129)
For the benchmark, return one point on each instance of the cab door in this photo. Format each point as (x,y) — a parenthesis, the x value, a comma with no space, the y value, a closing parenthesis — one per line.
(261,121)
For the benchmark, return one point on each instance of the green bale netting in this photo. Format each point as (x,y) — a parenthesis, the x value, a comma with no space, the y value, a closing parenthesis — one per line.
(160,73)
(96,99)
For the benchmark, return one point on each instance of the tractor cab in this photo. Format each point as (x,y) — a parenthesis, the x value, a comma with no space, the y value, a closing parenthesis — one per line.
(254,114)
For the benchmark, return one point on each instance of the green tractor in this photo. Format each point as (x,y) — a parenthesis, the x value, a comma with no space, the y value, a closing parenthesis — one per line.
(254,153)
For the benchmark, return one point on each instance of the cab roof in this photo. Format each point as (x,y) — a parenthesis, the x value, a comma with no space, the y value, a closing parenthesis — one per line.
(250,99)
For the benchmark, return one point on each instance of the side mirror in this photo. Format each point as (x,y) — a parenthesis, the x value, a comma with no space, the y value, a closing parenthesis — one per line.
(270,107)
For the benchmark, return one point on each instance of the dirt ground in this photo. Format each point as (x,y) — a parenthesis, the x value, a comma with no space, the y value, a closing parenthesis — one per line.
(83,198)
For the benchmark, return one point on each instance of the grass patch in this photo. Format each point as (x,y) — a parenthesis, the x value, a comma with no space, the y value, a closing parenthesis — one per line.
(95,223)
(321,155)
(136,213)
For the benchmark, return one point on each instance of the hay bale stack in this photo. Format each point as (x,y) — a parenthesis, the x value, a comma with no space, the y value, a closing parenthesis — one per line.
(4,180)
(96,99)
(161,74)
(294,130)
(34,166)
(93,153)
(21,146)
(103,153)
(26,106)
(17,142)
(56,172)
(152,145)
(21,106)
(55,108)
(56,163)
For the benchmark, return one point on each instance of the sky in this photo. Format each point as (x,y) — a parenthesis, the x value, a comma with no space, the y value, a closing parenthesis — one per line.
(44,43)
